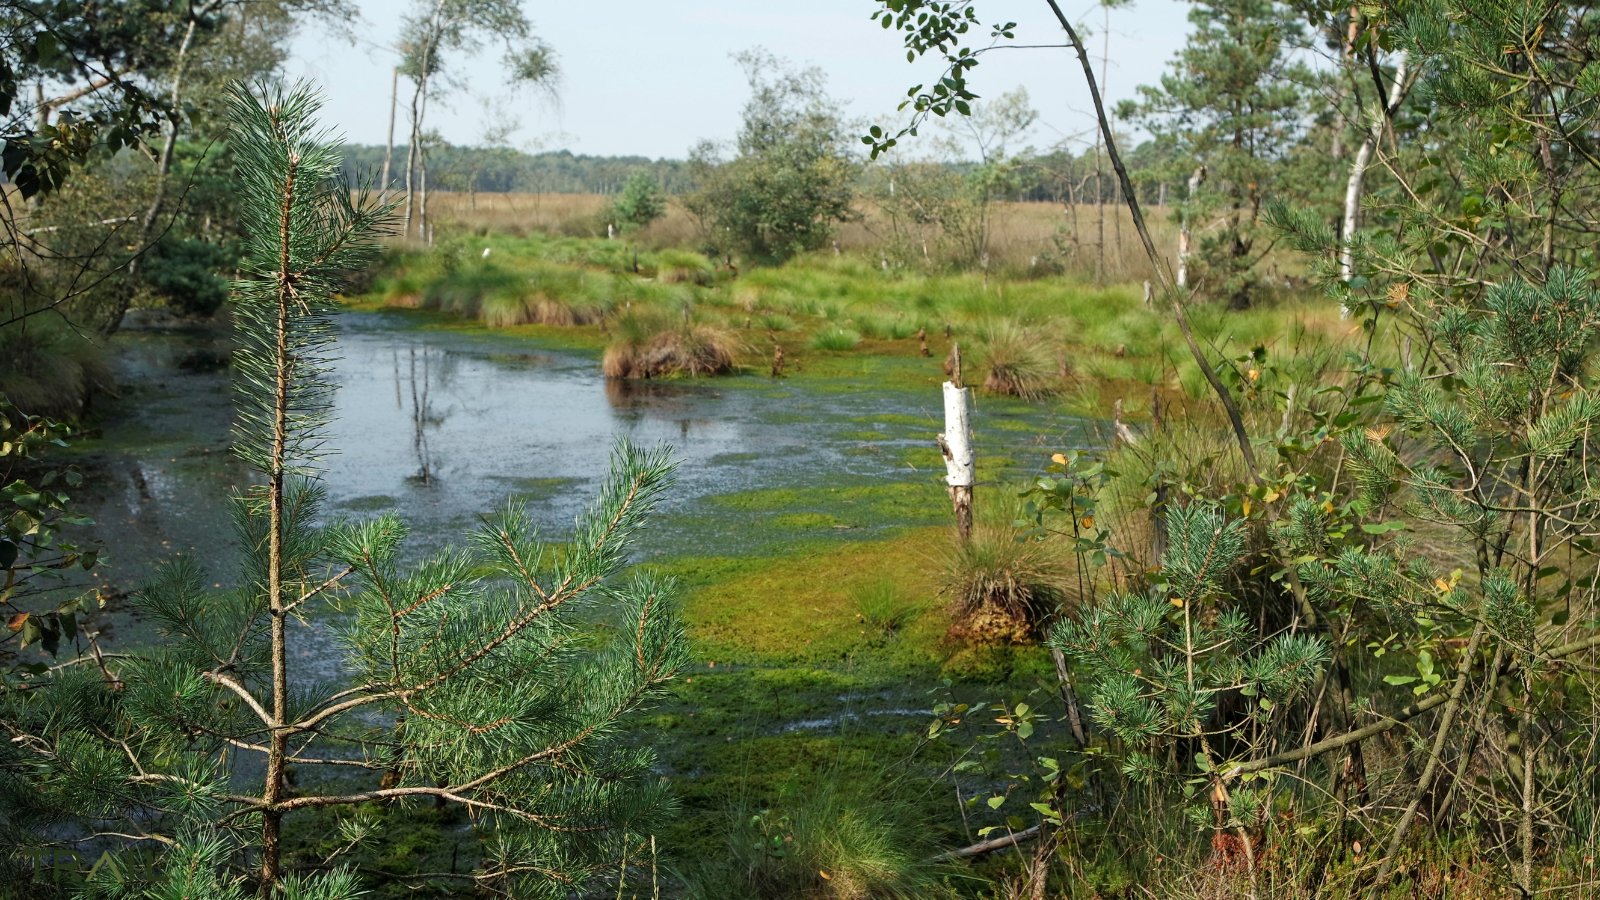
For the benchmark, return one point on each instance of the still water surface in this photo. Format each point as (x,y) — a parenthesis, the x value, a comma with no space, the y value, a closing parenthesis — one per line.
(443,425)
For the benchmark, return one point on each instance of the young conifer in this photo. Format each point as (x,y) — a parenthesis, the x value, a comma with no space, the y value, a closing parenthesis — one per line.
(495,678)
(1158,661)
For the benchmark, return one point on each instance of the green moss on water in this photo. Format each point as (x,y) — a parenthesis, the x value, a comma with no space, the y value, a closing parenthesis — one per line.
(906,419)
(799,609)
(534,489)
(372,503)
(744,738)
(808,522)
(416,837)
(865,436)
(853,503)
(1017,425)
(764,499)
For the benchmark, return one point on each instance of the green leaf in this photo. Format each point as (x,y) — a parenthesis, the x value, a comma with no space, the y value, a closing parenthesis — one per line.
(997,801)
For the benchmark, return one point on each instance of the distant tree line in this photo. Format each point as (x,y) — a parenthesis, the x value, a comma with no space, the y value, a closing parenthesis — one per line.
(1056,176)
(500,170)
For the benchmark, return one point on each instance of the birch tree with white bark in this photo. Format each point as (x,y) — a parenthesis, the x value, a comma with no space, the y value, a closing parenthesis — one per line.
(432,36)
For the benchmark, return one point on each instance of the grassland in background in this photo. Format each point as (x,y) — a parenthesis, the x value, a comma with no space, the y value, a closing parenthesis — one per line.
(1086,344)
(1024,236)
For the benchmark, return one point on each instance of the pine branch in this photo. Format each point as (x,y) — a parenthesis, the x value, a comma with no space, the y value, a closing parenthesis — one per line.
(1390,721)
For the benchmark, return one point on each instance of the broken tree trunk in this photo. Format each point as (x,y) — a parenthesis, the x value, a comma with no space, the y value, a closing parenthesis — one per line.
(1195,180)
(956,445)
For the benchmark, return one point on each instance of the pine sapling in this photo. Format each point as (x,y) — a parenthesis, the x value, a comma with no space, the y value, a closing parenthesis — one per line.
(497,678)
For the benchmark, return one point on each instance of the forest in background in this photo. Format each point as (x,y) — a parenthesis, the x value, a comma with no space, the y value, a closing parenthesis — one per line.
(1048,177)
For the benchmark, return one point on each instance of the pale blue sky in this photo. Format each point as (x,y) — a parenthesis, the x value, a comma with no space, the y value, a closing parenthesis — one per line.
(651,77)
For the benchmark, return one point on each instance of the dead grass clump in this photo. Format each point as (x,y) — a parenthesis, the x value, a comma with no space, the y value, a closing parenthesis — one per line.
(694,350)
(621,361)
(687,349)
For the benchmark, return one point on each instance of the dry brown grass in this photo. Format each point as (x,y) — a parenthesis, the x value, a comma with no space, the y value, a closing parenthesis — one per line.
(648,350)
(574,215)
(1038,237)
(1024,237)
(1032,238)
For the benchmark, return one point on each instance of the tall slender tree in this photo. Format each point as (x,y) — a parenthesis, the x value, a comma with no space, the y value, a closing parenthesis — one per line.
(431,34)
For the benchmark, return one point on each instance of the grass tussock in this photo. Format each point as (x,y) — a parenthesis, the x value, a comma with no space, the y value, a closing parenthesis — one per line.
(52,371)
(883,607)
(1017,362)
(836,840)
(683,267)
(650,348)
(1002,588)
(835,339)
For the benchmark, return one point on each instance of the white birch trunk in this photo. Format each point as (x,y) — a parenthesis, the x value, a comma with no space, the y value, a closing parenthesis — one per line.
(1358,169)
(388,147)
(956,445)
(956,441)
(1183,227)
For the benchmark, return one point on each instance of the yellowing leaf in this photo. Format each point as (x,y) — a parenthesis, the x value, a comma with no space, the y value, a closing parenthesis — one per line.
(1178,602)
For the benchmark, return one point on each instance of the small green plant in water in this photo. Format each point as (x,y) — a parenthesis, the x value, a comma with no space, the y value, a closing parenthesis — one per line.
(835,339)
(883,607)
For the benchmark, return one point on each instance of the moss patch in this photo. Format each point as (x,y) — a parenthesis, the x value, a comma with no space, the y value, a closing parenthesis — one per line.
(799,610)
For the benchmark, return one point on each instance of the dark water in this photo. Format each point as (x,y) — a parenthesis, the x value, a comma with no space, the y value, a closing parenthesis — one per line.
(442,426)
